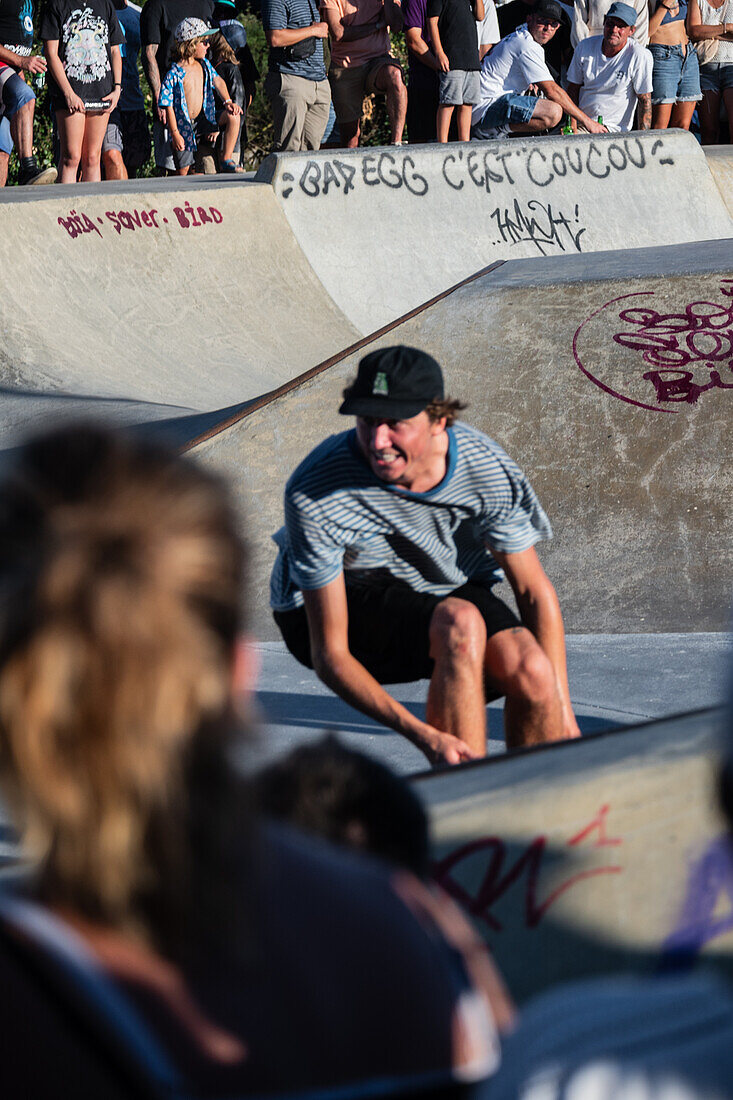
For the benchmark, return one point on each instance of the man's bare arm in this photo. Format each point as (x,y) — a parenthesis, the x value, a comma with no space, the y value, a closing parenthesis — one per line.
(341,33)
(539,608)
(334,664)
(31,64)
(288,36)
(417,45)
(558,95)
(644,111)
(152,73)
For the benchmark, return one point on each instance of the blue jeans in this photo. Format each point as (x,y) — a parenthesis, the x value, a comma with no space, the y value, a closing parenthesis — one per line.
(676,75)
(716,77)
(15,93)
(504,110)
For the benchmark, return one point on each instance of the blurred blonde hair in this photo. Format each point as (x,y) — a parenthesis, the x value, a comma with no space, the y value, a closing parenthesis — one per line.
(221,50)
(120,573)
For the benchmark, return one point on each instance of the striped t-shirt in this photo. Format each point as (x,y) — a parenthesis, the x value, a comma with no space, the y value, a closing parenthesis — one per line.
(340,516)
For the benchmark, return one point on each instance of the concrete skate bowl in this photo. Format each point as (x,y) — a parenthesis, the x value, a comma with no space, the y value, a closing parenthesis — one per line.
(609,379)
(585,858)
(170,300)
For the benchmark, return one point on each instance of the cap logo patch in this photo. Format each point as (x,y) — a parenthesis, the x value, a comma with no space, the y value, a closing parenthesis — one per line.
(380,387)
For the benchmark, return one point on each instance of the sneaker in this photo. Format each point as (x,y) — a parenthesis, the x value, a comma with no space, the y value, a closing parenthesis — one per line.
(38,175)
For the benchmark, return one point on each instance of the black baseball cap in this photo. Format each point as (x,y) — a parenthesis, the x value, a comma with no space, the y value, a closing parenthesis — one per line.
(551,9)
(395,383)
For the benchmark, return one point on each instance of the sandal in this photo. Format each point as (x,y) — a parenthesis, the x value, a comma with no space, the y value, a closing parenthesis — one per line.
(228,166)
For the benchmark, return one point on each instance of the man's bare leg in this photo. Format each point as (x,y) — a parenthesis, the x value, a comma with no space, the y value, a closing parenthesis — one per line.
(546,114)
(456,702)
(516,665)
(4,160)
(21,127)
(389,81)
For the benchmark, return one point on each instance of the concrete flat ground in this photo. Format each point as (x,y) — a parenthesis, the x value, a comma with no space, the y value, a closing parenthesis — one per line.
(615,680)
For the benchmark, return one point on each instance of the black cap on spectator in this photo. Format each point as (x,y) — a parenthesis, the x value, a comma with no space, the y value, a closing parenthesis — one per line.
(551,9)
(395,383)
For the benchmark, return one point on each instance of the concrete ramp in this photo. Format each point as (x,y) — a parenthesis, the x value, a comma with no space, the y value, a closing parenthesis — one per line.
(193,295)
(609,378)
(720,163)
(387,229)
(591,857)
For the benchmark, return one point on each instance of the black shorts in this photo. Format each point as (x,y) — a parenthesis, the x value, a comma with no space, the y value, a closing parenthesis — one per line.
(389,627)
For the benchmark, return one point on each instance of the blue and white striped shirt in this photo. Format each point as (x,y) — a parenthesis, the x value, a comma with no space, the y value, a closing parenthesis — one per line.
(340,516)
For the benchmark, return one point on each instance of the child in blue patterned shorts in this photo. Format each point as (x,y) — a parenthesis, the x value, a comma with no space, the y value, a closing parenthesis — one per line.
(187,93)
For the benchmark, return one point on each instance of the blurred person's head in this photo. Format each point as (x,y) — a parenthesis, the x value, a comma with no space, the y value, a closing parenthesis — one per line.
(221,50)
(349,799)
(120,575)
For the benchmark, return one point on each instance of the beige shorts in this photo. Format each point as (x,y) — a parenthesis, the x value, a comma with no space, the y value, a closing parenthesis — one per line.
(351,83)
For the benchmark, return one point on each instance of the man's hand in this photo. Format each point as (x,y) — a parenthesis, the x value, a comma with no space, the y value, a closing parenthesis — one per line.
(33,64)
(319,30)
(444,748)
(595,127)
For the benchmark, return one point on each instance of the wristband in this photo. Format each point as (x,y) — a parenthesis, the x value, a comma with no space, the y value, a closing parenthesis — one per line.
(117,84)
(227,102)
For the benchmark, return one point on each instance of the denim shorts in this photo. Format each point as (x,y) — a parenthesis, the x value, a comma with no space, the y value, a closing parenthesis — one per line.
(504,110)
(459,86)
(716,77)
(676,75)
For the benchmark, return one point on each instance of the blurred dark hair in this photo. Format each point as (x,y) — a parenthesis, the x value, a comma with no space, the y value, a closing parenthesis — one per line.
(120,579)
(347,798)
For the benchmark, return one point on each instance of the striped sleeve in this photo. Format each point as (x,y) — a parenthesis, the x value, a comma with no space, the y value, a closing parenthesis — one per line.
(516,520)
(316,548)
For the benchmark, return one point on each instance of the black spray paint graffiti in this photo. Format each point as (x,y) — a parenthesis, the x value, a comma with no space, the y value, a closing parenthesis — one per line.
(539,224)
(482,167)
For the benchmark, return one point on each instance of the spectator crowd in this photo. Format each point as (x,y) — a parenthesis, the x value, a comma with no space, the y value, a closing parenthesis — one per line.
(474,70)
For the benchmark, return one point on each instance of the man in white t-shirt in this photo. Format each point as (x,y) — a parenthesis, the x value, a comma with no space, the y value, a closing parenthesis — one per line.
(487,29)
(514,67)
(611,72)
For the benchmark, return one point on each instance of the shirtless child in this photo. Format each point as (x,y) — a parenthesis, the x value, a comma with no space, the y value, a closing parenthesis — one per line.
(187,93)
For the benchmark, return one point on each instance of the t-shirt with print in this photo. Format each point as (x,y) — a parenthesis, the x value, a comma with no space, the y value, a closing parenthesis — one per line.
(340,516)
(610,85)
(510,68)
(16,26)
(86,32)
(355,13)
(159,20)
(457,29)
(289,15)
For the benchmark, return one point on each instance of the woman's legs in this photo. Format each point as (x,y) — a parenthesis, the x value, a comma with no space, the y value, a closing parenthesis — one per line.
(661,114)
(681,115)
(71,136)
(709,111)
(91,151)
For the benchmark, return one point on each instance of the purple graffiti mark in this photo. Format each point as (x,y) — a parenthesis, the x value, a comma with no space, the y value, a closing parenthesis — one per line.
(77,224)
(701,334)
(709,880)
(592,377)
(495,883)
